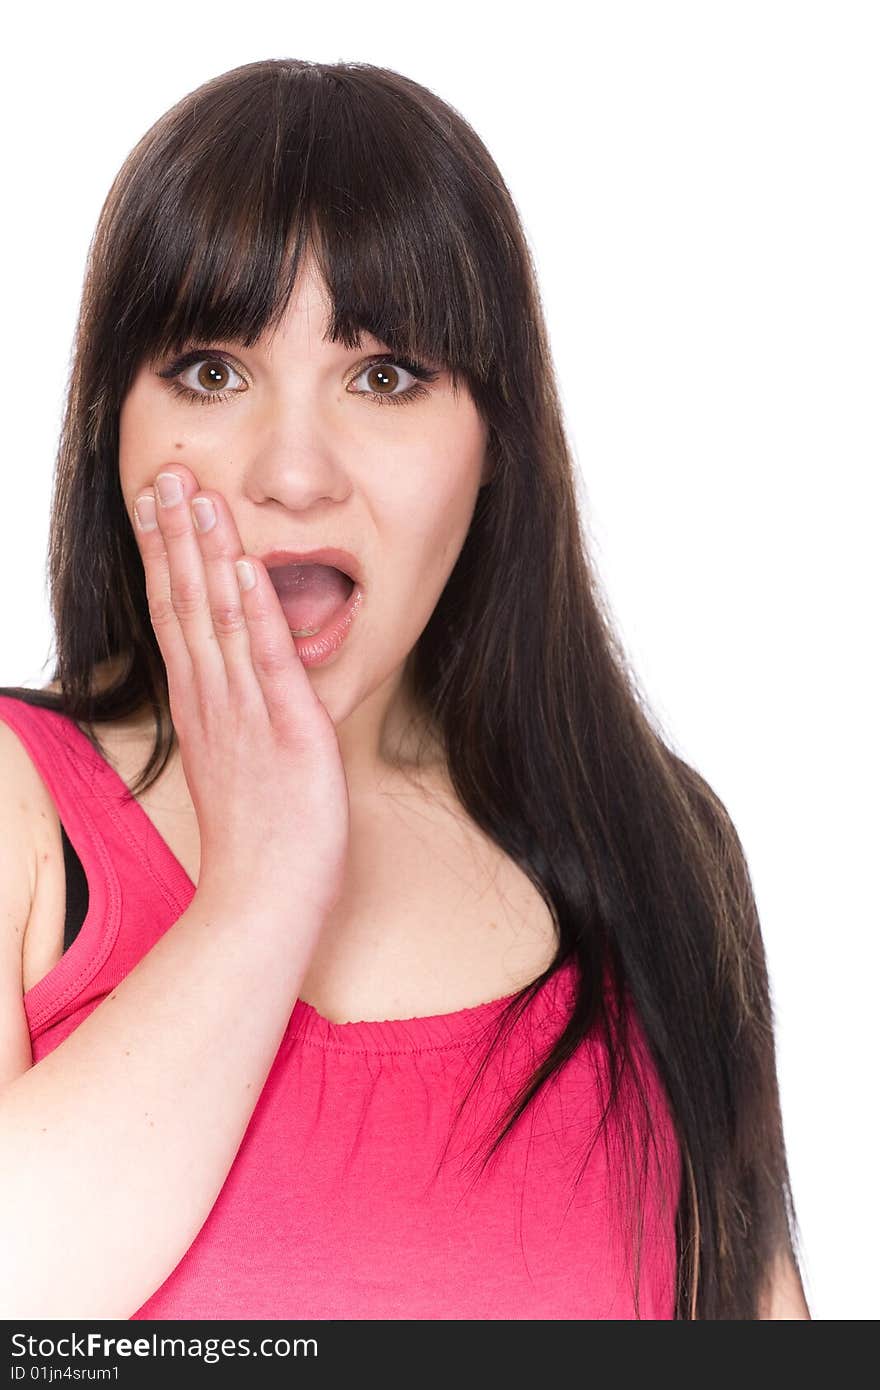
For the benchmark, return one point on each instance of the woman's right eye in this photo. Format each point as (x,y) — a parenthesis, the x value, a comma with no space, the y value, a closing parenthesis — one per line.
(208,380)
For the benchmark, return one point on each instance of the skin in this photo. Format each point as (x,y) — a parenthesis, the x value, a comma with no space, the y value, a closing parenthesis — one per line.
(304,459)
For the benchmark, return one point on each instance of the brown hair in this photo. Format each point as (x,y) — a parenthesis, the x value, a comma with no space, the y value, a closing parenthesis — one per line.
(549,740)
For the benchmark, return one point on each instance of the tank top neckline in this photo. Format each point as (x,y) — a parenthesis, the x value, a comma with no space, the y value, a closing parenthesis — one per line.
(426,1032)
(422,1033)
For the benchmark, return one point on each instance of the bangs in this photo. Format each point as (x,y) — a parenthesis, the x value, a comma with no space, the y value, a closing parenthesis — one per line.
(247,180)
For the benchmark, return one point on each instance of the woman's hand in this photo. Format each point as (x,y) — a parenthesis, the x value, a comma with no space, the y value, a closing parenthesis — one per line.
(257,746)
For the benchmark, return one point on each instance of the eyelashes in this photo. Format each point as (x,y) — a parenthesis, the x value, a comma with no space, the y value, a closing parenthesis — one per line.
(417,391)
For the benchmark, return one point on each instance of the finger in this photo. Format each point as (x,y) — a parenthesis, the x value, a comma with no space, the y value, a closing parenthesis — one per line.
(221,546)
(151,543)
(187,584)
(274,659)
(252,631)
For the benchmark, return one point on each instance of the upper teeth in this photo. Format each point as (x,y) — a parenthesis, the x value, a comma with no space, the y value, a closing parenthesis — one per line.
(304,631)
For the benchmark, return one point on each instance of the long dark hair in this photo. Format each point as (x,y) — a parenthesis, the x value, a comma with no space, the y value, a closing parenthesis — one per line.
(550,743)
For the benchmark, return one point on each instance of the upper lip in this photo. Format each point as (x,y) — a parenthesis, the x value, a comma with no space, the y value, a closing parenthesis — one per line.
(327,555)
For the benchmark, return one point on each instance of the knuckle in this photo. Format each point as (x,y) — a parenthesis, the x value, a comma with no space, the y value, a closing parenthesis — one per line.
(188,596)
(271,660)
(161,611)
(228,618)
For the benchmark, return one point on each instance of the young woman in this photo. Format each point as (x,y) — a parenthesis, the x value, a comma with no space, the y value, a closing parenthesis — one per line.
(366,952)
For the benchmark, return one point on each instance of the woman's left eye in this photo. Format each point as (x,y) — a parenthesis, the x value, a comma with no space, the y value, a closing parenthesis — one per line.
(387,371)
(212,372)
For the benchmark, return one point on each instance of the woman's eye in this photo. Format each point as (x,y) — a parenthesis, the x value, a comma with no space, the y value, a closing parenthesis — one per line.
(208,378)
(384,378)
(203,378)
(212,374)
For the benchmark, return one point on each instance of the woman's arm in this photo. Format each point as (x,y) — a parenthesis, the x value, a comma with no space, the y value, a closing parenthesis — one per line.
(114,1146)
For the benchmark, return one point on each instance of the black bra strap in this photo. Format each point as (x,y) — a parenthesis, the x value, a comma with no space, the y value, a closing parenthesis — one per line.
(77,892)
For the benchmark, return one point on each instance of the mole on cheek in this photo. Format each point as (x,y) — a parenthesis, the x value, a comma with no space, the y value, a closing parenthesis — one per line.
(178,446)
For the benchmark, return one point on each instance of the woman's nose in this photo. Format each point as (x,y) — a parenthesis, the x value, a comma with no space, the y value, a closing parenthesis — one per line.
(297,466)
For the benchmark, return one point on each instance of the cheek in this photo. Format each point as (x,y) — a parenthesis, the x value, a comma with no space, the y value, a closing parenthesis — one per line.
(426,515)
(133,455)
(139,433)
(146,439)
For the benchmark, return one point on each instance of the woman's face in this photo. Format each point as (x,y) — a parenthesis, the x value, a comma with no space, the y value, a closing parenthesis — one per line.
(304,459)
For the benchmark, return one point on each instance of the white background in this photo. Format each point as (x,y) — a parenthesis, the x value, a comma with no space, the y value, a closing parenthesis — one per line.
(699,185)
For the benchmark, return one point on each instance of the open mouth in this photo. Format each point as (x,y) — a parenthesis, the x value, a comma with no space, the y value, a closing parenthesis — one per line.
(312,596)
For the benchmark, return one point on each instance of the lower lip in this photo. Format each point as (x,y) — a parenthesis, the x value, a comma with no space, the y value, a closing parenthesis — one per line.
(317,650)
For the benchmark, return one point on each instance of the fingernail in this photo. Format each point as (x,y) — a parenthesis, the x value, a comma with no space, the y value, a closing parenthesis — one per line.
(203,513)
(169,488)
(145,511)
(246,575)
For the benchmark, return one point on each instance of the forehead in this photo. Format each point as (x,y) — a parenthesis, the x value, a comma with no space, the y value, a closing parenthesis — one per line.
(304,323)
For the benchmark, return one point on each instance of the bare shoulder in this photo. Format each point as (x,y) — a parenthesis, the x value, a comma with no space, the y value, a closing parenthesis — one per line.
(42,942)
(22,787)
(23,793)
(28,825)
(27,796)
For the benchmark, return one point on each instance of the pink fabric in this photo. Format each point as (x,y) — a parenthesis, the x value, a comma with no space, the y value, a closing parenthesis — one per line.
(332,1207)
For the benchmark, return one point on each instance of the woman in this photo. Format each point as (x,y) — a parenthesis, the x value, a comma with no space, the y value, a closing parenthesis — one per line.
(380,958)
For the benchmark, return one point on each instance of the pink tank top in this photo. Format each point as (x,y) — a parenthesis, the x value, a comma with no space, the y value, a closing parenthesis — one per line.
(337,1205)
